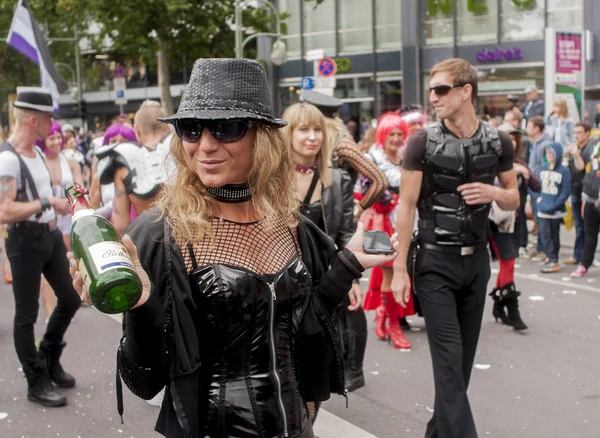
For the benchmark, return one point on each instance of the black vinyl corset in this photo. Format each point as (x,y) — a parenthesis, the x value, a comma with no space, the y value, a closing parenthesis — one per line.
(247,325)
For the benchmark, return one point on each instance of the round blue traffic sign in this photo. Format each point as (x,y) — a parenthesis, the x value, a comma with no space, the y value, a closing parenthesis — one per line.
(327,67)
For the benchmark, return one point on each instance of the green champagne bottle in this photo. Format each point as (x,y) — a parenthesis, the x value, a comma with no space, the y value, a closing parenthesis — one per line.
(103,261)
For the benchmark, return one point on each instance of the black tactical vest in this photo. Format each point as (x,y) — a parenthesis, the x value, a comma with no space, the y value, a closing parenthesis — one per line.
(444,217)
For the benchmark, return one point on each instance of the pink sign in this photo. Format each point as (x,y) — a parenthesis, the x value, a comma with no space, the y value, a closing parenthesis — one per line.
(568,52)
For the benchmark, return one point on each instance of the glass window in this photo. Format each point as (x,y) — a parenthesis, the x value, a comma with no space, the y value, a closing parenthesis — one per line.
(389,32)
(292,27)
(319,25)
(289,93)
(565,14)
(390,94)
(477,21)
(354,88)
(438,25)
(522,20)
(356,29)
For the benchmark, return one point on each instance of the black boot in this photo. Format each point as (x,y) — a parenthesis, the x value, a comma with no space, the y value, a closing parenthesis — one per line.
(42,391)
(498,309)
(511,300)
(51,356)
(404,325)
(355,353)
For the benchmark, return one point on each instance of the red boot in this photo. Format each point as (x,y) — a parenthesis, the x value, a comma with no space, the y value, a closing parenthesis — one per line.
(393,330)
(380,317)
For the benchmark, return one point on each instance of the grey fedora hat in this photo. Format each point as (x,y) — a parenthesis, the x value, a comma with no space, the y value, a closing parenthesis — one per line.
(225,88)
(34,99)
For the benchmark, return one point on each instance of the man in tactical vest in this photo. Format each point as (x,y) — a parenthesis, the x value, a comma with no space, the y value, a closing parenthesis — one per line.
(449,173)
(137,170)
(35,246)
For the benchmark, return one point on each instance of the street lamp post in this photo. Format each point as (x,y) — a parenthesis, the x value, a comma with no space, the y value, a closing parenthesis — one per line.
(279,49)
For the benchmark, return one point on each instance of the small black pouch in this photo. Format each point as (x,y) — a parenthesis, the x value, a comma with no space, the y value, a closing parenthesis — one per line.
(411,262)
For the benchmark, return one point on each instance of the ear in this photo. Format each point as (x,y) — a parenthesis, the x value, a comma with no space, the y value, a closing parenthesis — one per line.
(467,92)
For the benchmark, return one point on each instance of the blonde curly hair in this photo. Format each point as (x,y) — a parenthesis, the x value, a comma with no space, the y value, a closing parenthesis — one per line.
(189,209)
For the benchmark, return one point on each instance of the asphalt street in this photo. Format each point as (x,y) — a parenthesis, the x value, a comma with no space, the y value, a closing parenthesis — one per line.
(543,383)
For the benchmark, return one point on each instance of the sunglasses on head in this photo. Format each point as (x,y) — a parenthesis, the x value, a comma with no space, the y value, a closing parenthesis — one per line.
(223,130)
(442,90)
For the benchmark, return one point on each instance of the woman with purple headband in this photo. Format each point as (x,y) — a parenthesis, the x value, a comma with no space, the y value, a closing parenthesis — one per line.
(63,170)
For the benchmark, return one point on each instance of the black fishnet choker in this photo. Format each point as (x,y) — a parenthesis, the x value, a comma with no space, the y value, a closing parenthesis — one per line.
(231,193)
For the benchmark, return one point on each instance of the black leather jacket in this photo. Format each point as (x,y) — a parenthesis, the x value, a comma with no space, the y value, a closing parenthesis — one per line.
(239,353)
(337,201)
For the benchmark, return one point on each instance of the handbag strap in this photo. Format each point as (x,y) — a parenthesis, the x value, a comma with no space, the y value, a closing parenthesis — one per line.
(311,188)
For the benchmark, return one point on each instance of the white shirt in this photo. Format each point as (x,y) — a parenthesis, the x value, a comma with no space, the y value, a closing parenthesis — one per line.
(9,166)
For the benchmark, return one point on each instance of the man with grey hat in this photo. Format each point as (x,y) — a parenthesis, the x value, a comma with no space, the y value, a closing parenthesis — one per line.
(534,105)
(34,246)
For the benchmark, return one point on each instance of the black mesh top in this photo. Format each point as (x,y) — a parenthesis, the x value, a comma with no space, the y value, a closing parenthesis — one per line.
(247,245)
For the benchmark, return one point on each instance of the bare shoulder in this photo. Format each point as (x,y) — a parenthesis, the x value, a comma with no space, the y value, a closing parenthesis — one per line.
(72,162)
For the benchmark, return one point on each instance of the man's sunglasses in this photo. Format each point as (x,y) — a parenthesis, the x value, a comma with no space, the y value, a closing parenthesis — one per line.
(442,90)
(223,130)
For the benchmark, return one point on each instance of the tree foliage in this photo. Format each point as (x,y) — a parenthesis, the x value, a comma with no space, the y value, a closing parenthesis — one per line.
(134,31)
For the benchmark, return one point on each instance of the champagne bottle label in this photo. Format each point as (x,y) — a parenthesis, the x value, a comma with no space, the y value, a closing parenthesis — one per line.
(83,212)
(110,255)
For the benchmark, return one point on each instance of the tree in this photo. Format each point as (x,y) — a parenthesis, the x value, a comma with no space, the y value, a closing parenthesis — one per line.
(160,32)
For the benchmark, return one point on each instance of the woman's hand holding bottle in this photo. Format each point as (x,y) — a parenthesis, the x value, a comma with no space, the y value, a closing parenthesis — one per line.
(79,281)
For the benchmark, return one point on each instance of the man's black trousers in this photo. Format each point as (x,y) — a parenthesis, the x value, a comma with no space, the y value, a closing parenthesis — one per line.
(452,289)
(34,250)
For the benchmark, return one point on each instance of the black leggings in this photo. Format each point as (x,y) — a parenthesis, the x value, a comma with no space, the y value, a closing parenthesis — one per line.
(33,252)
(591,222)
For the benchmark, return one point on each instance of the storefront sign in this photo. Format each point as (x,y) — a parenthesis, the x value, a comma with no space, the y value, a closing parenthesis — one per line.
(568,52)
(343,65)
(499,55)
(564,78)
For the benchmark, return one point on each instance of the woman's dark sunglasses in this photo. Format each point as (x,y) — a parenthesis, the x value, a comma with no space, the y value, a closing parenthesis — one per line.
(442,90)
(223,130)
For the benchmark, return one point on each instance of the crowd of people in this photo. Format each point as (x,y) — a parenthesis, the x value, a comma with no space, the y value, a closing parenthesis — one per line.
(247,232)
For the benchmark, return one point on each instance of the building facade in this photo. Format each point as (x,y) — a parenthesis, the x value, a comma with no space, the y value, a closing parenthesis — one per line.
(384,49)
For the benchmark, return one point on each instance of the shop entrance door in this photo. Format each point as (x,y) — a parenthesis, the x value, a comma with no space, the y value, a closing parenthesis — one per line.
(357,114)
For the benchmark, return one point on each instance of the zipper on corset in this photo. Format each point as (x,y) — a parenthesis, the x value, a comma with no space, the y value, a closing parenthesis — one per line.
(278,391)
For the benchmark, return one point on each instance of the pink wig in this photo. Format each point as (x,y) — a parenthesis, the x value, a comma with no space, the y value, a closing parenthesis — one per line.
(386,124)
(55,127)
(119,129)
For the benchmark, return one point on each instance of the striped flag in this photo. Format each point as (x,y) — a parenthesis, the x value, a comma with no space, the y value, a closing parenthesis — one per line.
(26,37)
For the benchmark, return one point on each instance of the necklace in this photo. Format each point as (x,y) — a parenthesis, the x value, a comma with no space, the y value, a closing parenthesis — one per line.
(231,193)
(305,169)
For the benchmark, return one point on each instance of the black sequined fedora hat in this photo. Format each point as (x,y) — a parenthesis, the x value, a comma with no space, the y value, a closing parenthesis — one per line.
(225,88)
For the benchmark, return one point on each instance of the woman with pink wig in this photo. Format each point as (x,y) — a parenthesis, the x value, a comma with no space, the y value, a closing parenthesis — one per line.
(386,153)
